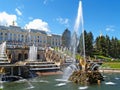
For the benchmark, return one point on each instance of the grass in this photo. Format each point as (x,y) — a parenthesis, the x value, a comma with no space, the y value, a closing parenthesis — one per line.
(108,62)
(113,65)
(105,58)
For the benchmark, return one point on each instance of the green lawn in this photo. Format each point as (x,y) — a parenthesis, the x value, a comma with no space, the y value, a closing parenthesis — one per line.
(113,65)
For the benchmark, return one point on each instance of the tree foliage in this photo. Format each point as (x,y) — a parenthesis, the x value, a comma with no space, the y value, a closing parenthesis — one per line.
(66,38)
(102,45)
(108,47)
(88,40)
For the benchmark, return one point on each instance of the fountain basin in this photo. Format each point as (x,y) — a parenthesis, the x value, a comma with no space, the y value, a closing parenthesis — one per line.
(86,77)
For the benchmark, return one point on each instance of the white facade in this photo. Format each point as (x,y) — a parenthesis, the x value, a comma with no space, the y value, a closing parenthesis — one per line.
(16,35)
(54,40)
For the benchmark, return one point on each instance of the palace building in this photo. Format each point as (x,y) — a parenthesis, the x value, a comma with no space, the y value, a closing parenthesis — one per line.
(18,41)
(15,35)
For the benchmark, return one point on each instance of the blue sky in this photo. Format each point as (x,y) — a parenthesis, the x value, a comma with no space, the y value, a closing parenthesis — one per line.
(54,16)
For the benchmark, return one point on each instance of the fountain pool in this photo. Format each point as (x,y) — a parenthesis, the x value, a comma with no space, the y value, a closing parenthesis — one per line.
(50,83)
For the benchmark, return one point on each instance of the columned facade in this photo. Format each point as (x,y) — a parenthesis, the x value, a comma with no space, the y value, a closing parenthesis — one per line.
(19,40)
(54,40)
(22,54)
(15,35)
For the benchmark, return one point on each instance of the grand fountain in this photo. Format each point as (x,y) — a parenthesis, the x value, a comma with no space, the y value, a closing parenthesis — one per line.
(89,73)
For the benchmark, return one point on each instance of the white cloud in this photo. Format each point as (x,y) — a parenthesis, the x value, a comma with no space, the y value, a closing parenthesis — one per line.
(46,1)
(110,28)
(38,24)
(18,11)
(7,19)
(64,21)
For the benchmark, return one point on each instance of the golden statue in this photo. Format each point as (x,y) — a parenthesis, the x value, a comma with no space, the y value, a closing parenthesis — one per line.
(83,64)
(2,70)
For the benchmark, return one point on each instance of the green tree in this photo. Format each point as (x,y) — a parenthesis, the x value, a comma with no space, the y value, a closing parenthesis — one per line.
(89,44)
(101,45)
(108,45)
(114,50)
(66,38)
(88,37)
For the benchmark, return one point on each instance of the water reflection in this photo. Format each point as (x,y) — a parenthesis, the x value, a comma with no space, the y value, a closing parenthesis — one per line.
(112,81)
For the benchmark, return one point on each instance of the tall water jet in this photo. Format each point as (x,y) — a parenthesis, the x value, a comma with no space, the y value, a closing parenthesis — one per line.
(32,53)
(79,29)
(74,42)
(88,74)
(68,72)
(3,48)
(32,49)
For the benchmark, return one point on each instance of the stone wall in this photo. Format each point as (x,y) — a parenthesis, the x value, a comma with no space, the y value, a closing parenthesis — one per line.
(22,54)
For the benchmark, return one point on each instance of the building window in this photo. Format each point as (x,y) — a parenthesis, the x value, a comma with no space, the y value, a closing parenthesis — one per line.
(19,56)
(18,37)
(1,33)
(10,36)
(53,43)
(56,43)
(22,38)
(1,36)
(26,56)
(38,40)
(38,56)
(6,37)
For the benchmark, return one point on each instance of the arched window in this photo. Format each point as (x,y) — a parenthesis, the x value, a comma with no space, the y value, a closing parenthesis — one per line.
(38,56)
(19,56)
(26,56)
